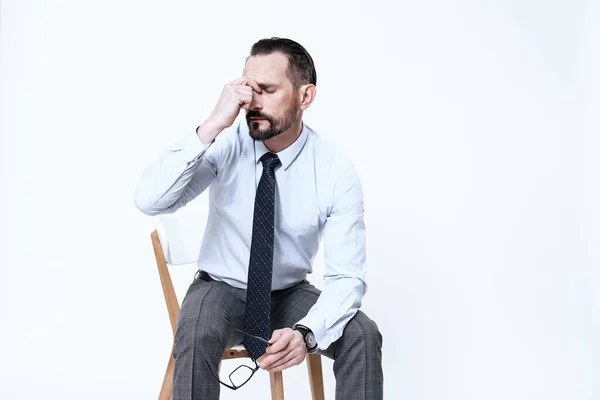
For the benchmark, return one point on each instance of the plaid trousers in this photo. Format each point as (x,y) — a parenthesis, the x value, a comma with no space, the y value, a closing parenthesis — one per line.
(212,310)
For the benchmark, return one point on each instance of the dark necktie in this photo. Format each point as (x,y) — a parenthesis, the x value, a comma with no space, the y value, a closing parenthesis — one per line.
(260,271)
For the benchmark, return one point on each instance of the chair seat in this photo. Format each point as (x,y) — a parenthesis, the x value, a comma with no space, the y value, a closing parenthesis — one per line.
(235,352)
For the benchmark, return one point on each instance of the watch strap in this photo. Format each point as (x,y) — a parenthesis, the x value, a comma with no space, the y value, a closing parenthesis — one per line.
(305,331)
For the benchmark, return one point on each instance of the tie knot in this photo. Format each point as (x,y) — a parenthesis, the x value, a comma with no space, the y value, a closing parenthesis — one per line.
(270,160)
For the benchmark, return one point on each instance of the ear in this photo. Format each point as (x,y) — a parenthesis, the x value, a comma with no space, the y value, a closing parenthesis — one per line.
(307,95)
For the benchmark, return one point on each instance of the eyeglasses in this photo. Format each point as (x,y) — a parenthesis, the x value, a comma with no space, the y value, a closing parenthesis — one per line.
(242,374)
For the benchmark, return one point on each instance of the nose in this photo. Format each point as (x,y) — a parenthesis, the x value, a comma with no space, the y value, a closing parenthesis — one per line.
(256,103)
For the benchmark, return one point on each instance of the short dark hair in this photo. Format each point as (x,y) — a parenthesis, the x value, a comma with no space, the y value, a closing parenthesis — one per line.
(301,68)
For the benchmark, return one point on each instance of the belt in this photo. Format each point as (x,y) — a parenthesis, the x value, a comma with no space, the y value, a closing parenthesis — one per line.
(203,275)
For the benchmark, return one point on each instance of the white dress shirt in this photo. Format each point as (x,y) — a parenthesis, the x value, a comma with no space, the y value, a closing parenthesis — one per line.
(318,195)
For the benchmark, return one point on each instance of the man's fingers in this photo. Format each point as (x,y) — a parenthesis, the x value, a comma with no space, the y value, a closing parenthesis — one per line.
(284,366)
(243,90)
(273,358)
(291,356)
(290,363)
(243,81)
(275,336)
(281,357)
(253,85)
(261,359)
(244,100)
(239,81)
(280,343)
(243,95)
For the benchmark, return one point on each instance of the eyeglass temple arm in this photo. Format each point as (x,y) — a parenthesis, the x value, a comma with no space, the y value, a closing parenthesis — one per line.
(255,337)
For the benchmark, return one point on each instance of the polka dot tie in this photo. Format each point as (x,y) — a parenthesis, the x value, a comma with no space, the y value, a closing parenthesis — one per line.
(258,296)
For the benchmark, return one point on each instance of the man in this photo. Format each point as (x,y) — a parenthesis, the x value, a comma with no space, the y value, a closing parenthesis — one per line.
(276,189)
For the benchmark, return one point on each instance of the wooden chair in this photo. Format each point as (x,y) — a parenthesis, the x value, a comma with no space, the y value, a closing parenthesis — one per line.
(174,245)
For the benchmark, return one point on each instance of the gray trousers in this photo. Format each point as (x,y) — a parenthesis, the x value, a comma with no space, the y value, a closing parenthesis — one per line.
(210,312)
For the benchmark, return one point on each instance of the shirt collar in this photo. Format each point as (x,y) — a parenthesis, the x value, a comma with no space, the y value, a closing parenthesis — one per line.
(287,155)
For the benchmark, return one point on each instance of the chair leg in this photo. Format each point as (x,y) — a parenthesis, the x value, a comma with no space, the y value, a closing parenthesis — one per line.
(167,387)
(276,385)
(315,376)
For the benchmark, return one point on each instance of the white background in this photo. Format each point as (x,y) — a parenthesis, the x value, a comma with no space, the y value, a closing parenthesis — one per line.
(474,126)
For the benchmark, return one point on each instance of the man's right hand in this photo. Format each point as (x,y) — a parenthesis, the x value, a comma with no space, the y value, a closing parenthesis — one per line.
(235,95)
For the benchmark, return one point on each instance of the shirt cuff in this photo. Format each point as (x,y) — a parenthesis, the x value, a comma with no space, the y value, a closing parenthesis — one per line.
(192,147)
(316,324)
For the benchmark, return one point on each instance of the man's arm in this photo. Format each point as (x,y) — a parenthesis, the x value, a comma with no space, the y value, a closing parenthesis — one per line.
(344,241)
(184,171)
(344,286)
(181,173)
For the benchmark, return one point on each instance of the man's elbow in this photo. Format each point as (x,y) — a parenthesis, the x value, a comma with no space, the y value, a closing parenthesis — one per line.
(148,206)
(145,206)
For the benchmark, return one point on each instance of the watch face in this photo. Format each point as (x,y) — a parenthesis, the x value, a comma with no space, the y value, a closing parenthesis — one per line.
(310,340)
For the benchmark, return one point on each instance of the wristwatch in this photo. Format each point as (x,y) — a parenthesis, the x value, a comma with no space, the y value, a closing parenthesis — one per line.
(309,338)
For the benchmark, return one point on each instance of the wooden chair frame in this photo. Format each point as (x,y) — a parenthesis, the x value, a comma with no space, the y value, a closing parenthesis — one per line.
(313,361)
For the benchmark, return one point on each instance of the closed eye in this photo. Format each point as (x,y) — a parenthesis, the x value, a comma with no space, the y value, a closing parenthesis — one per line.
(269,88)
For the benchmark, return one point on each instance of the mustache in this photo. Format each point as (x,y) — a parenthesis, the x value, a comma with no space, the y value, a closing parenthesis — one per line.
(257,114)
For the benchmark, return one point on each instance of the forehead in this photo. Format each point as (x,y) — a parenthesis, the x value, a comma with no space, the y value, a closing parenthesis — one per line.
(269,68)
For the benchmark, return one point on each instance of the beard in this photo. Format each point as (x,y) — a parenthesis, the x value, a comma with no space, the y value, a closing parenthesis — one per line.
(276,125)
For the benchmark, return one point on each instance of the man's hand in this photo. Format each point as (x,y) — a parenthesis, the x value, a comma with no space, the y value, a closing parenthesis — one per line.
(235,95)
(287,349)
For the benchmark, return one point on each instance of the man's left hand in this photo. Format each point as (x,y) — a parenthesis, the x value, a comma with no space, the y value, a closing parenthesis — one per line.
(287,349)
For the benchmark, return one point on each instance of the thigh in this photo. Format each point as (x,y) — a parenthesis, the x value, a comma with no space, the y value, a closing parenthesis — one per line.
(291,305)
(210,312)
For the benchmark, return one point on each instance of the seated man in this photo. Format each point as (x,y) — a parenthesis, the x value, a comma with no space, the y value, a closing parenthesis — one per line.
(276,188)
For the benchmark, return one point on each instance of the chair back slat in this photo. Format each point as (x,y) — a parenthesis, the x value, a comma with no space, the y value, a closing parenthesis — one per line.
(165,281)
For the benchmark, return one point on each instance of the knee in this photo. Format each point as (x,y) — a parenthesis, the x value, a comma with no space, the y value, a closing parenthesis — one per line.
(365,331)
(198,338)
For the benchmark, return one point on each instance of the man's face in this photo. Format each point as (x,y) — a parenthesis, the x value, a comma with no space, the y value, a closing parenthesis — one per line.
(275,109)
